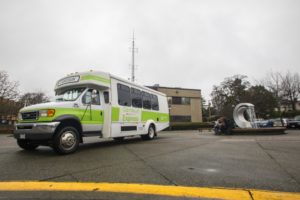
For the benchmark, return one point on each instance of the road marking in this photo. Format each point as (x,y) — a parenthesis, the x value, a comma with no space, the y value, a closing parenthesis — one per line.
(148,189)
(237,140)
(274,195)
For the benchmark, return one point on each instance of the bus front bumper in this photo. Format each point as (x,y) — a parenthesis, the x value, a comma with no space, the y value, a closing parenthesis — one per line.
(35,131)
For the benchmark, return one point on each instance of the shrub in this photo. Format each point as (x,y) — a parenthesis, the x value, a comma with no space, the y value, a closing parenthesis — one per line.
(285,114)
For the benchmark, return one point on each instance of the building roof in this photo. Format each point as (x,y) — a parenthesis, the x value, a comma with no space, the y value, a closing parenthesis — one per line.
(176,88)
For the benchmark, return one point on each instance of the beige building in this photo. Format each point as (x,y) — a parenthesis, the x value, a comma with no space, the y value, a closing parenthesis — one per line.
(185,104)
(286,106)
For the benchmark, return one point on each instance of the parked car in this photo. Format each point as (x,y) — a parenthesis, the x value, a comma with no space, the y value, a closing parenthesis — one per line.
(264,123)
(294,123)
(279,122)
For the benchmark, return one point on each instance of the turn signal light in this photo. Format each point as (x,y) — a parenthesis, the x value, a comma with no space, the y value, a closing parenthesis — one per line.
(47,113)
(50,112)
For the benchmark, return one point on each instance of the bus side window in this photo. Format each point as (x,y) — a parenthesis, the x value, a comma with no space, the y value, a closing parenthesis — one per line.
(106,96)
(136,97)
(91,97)
(154,102)
(146,100)
(87,97)
(124,97)
(95,97)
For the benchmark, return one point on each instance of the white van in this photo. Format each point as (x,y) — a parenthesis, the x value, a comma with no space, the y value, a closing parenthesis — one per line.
(92,104)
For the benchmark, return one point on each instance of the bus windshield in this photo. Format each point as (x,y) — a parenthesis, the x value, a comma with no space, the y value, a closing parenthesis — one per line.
(69,95)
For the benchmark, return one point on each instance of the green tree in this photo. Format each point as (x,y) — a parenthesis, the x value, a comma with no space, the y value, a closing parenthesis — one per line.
(229,93)
(263,100)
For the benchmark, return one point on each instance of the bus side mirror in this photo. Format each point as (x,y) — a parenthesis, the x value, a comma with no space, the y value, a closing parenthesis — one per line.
(88,98)
(94,95)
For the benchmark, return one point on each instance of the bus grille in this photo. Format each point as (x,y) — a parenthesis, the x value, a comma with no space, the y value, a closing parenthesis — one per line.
(30,115)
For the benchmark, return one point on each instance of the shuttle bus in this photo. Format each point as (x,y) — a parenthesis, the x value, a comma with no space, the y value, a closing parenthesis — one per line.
(92,103)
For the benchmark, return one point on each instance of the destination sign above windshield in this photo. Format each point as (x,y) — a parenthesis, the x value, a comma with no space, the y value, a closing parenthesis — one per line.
(70,79)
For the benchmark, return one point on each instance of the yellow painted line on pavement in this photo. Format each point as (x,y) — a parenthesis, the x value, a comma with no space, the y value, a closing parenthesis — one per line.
(148,189)
(274,195)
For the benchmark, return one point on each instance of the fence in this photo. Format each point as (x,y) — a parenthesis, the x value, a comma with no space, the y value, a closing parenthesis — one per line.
(7,123)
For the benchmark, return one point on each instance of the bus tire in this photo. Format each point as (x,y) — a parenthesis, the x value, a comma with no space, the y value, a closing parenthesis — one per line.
(66,140)
(118,139)
(25,144)
(151,133)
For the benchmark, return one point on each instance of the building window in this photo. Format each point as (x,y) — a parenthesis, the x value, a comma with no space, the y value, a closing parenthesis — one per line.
(176,100)
(186,100)
(124,98)
(181,100)
(178,118)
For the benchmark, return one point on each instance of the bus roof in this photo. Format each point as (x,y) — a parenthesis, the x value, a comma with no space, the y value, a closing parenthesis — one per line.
(95,78)
(137,85)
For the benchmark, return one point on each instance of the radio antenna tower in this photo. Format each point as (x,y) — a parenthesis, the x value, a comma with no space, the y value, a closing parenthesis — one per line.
(133,51)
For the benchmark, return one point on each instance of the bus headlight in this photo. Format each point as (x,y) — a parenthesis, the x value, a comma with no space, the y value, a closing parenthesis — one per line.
(47,113)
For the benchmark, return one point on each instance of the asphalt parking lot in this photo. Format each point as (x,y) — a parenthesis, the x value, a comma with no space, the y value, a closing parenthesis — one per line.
(179,158)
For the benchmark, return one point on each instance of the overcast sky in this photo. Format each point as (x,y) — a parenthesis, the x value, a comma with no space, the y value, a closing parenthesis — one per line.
(181,43)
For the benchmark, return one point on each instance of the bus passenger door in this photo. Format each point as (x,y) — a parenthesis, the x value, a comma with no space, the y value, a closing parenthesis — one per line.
(92,118)
(106,131)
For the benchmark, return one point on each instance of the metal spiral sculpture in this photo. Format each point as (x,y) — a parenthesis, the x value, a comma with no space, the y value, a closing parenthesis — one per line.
(242,110)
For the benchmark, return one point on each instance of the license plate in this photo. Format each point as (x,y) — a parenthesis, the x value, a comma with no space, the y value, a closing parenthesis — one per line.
(22,136)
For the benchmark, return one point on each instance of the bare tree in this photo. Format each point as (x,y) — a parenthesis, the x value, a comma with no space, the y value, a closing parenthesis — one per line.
(8,89)
(291,88)
(31,98)
(273,82)
(285,87)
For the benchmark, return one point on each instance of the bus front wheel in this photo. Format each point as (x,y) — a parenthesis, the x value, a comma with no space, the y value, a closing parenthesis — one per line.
(66,140)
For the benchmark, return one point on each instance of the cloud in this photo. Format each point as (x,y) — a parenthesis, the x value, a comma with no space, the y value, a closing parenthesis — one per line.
(183,43)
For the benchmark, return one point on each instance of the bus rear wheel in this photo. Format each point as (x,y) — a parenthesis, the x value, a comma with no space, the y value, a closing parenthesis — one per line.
(151,133)
(66,140)
(25,144)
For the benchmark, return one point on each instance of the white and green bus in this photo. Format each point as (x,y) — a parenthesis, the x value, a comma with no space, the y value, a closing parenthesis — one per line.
(92,104)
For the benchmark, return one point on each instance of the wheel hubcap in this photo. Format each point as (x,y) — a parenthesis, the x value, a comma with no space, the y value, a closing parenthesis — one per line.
(151,132)
(68,140)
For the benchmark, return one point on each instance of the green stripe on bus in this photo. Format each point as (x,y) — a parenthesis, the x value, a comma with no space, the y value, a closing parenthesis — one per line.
(156,116)
(86,116)
(94,78)
(92,122)
(95,117)
(115,114)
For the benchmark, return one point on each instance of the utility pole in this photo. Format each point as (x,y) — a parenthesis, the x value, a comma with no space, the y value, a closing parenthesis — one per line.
(209,112)
(133,51)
